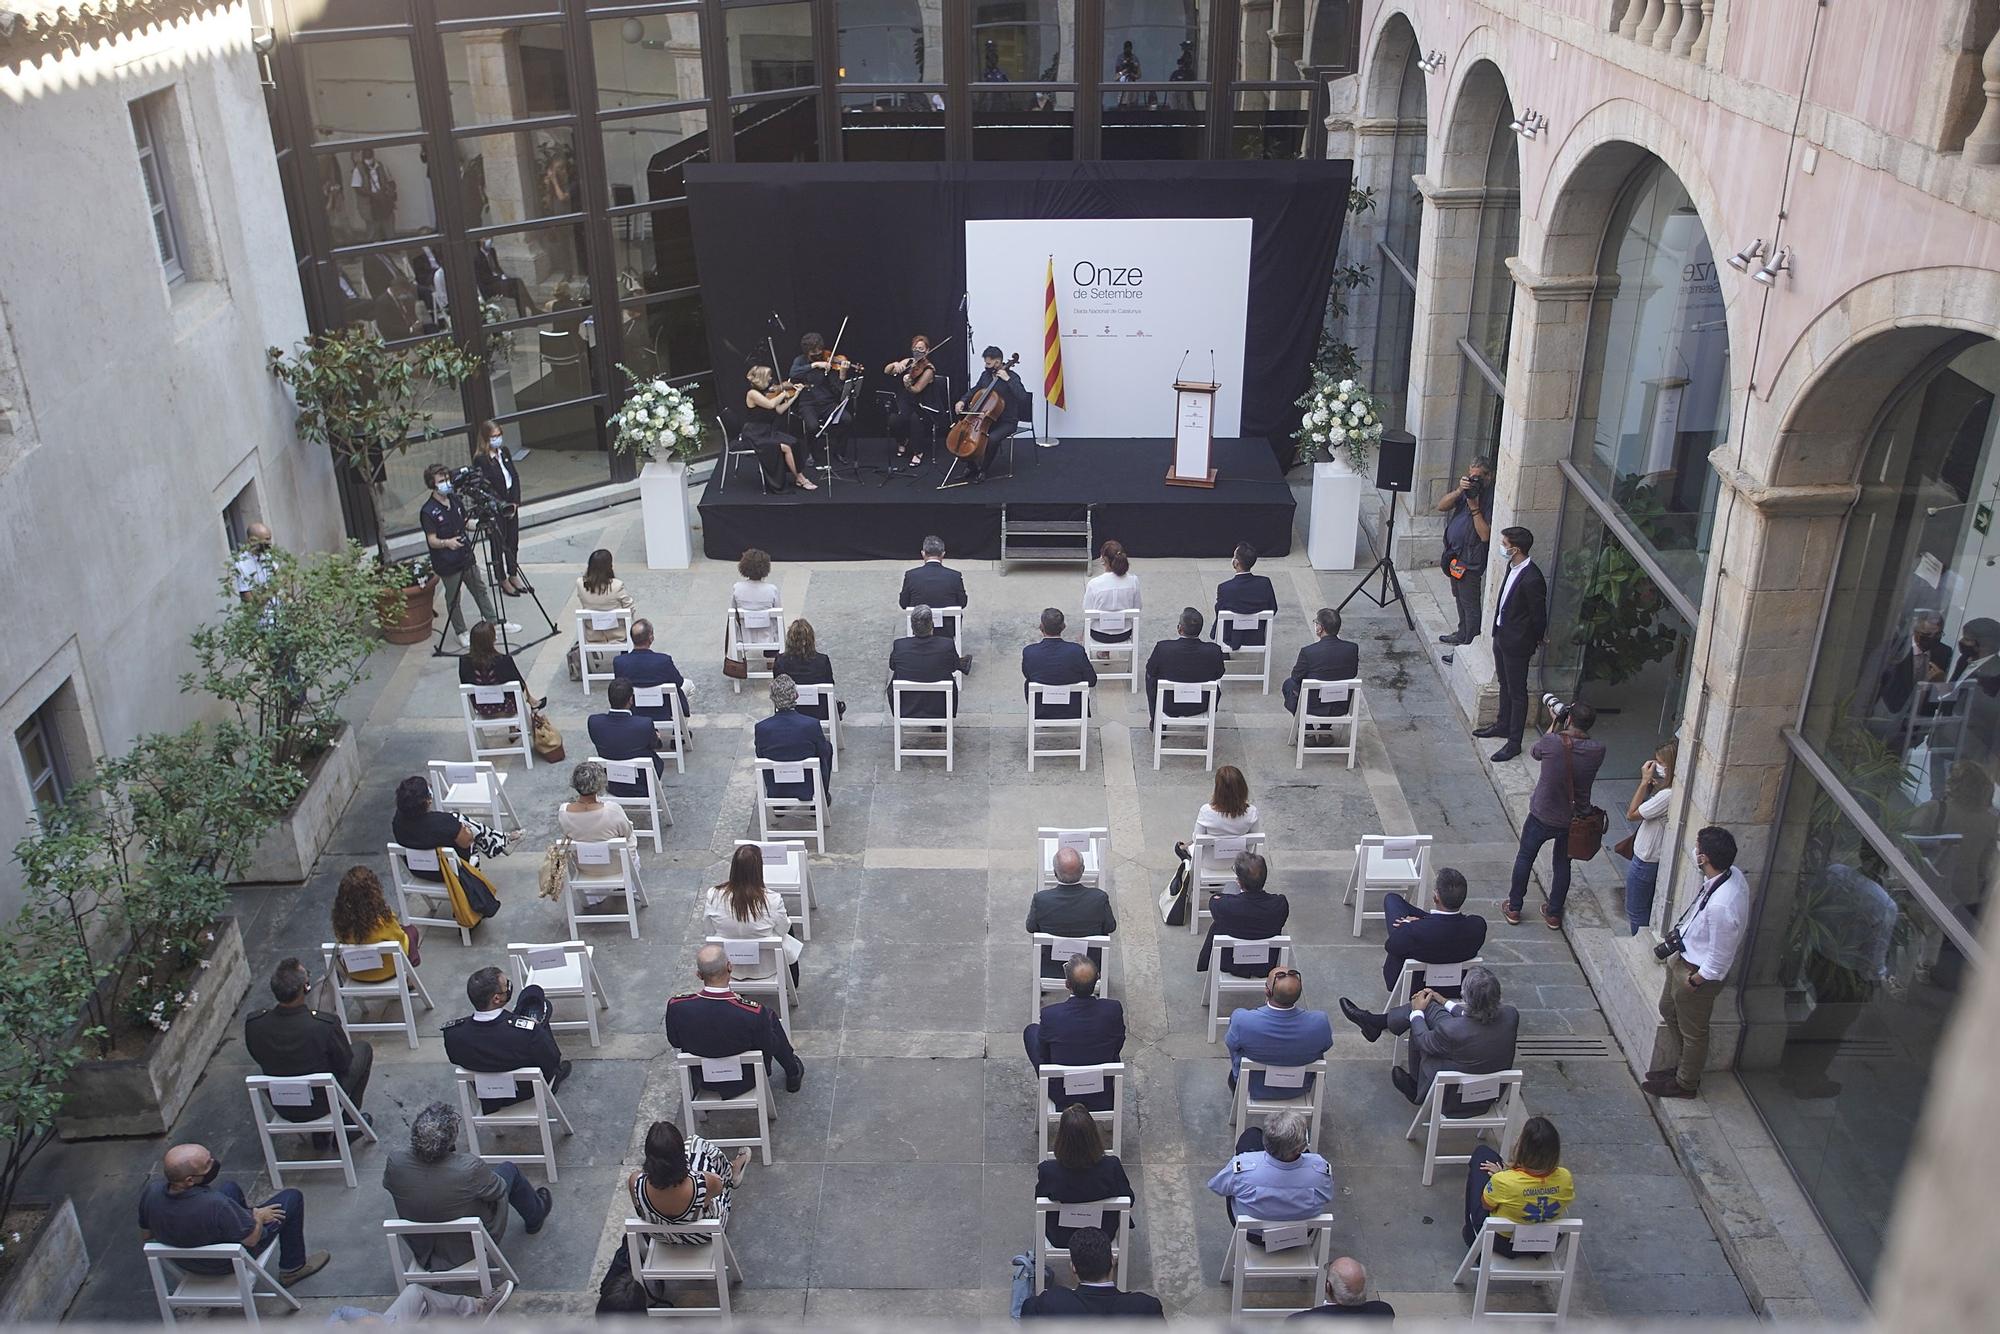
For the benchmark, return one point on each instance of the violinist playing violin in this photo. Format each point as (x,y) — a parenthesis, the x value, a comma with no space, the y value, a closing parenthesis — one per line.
(1013,396)
(919,401)
(764,403)
(824,377)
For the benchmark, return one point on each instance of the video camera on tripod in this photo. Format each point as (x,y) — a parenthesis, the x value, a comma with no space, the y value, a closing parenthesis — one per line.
(475,494)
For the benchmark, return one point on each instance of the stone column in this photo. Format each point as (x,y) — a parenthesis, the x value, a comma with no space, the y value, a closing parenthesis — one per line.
(1551,327)
(1447,258)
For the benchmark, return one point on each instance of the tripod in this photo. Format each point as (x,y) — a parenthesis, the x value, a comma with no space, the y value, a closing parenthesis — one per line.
(1392,587)
(488,535)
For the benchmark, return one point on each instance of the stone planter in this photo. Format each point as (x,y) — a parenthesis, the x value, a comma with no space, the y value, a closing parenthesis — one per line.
(1334,531)
(47,1267)
(406,618)
(141,1095)
(663,502)
(287,853)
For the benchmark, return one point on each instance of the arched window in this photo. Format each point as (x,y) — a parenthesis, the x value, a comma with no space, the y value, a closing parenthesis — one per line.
(1402,207)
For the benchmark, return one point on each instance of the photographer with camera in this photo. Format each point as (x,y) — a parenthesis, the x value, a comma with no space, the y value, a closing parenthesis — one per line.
(1699,952)
(1570,761)
(1467,536)
(447,534)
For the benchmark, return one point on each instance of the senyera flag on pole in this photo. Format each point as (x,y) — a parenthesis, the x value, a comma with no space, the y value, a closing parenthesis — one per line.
(1052,367)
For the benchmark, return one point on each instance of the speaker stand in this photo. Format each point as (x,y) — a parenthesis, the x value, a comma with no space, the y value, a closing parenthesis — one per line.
(1392,587)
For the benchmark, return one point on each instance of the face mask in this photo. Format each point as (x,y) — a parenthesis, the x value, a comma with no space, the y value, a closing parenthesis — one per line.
(214,1171)
(496,442)
(1969,650)
(1695,857)
(444,488)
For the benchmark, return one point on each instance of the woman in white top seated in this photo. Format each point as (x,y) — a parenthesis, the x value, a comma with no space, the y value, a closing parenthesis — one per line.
(591,819)
(598,589)
(741,908)
(1117,589)
(755,592)
(1228,812)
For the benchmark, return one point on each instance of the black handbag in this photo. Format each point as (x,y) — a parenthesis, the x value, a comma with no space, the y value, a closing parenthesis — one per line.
(1174,902)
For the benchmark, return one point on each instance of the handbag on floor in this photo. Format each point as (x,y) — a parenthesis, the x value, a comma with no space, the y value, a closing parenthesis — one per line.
(1174,899)
(733,667)
(548,741)
(576,662)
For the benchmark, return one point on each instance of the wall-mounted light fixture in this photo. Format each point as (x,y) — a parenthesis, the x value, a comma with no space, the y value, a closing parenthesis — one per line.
(1748,255)
(1768,275)
(1528,123)
(1432,63)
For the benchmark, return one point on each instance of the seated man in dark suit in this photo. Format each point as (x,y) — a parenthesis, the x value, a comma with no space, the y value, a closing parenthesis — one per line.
(1187,658)
(1085,1029)
(1054,661)
(922,656)
(1474,1036)
(644,667)
(493,1038)
(1443,935)
(1248,913)
(1327,658)
(1095,1293)
(291,1038)
(931,583)
(789,736)
(1246,594)
(1070,908)
(716,1022)
(623,735)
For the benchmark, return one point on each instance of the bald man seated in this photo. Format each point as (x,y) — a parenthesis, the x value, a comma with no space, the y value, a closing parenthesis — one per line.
(1081,1029)
(1070,908)
(187,1206)
(1347,1295)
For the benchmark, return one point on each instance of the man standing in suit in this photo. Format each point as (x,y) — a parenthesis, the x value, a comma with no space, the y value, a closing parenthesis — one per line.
(1520,623)
(933,585)
(1085,1029)
(1095,1293)
(434,1181)
(1246,913)
(1246,594)
(716,1022)
(292,1039)
(1187,658)
(621,734)
(789,736)
(921,656)
(1473,1036)
(1327,658)
(493,1038)
(1277,1032)
(1054,661)
(1443,935)
(644,667)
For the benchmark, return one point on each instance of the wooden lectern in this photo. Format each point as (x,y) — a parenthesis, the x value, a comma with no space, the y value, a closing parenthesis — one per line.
(1194,432)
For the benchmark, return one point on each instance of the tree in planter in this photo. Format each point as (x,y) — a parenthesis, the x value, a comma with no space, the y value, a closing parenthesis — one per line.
(1618,620)
(42,990)
(287,656)
(359,397)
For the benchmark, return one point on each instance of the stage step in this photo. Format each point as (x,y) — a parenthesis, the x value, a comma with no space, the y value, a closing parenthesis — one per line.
(1040,540)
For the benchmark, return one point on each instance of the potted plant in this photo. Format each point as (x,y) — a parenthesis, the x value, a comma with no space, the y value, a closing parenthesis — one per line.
(658,424)
(1337,433)
(409,609)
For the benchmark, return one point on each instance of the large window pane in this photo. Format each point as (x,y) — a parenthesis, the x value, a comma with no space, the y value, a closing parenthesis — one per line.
(1024,41)
(542,270)
(402,474)
(645,60)
(1478,433)
(502,74)
(1330,34)
(517,177)
(1402,205)
(399,293)
(1394,327)
(782,130)
(360,87)
(541,364)
(376,194)
(892,41)
(1271,124)
(1491,322)
(892,127)
(646,157)
(769,47)
(319,15)
(1150,40)
(1023,126)
(565,450)
(1160,125)
(655,252)
(668,338)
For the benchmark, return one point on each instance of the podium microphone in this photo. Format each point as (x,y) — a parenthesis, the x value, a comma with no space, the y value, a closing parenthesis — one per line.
(1183,366)
(1211,365)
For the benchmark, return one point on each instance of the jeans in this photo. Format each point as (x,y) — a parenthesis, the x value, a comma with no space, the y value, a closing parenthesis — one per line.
(291,1232)
(1466,593)
(522,1195)
(1475,1204)
(1533,834)
(1640,878)
(414,1303)
(471,578)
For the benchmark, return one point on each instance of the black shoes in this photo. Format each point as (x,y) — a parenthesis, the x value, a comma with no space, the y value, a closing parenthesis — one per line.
(1371,1026)
(1450,639)
(548,1205)
(1506,752)
(1489,731)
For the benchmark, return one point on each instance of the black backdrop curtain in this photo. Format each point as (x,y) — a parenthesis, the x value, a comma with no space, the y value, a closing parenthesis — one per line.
(884,245)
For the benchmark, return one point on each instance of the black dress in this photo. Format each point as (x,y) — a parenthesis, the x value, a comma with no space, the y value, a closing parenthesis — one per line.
(814,669)
(760,428)
(499,670)
(1106,1180)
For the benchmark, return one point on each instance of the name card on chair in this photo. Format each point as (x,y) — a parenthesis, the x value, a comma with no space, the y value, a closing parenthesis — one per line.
(755,620)
(1251,953)
(1285,1077)
(789,773)
(547,956)
(592,854)
(483,696)
(1083,1081)
(1443,974)
(1113,621)
(1188,694)
(1479,1090)
(604,620)
(494,1085)
(721,1071)
(1285,1237)
(361,958)
(1229,847)
(741,951)
(290,1095)
(1535,1238)
(616,771)
(461,775)
(1079,1218)
(1399,849)
(1333,694)
(1057,694)
(1062,947)
(422,859)
(649,697)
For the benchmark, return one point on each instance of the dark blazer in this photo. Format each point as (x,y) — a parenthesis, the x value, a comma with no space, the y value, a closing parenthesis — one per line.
(1253,914)
(1071,1303)
(1182,659)
(1245,593)
(789,736)
(506,482)
(1329,658)
(1056,662)
(1078,1030)
(649,667)
(1104,1179)
(933,585)
(295,1040)
(1454,1042)
(922,658)
(1436,937)
(624,736)
(507,1043)
(1071,911)
(715,1026)
(1525,612)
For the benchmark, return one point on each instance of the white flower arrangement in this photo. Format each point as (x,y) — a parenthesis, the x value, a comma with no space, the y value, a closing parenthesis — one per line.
(1338,414)
(657,420)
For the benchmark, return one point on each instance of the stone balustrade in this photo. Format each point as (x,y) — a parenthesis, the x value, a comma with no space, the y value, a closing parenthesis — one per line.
(1677,27)
(1982,145)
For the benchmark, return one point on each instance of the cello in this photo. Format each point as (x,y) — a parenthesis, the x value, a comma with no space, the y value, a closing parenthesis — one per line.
(972,431)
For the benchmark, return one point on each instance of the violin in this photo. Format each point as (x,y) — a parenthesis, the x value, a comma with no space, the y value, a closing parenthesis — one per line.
(839,364)
(969,434)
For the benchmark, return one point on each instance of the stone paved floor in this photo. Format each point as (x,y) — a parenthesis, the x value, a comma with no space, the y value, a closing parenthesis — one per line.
(903,1172)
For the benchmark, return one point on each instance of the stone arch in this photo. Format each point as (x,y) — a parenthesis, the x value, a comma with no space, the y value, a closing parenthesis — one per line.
(1597,156)
(1478,96)
(1391,46)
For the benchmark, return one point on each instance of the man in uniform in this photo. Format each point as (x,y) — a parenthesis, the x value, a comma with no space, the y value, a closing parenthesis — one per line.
(1272,1177)
(291,1039)
(716,1022)
(494,1038)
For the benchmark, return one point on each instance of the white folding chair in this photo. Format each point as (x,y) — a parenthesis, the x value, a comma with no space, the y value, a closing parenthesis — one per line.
(342,960)
(1062,949)
(472,788)
(474,1085)
(1438,977)
(269,1092)
(564,970)
(1263,623)
(1095,622)
(947,621)
(727,1070)
(517,731)
(788,874)
(1273,951)
(1311,1079)
(1208,694)
(1088,1214)
(1292,1249)
(1093,844)
(761,952)
(824,696)
(751,637)
(1545,1254)
(618,623)
(668,698)
(1059,1085)
(607,871)
(771,810)
(652,803)
(657,1259)
(249,1278)
(487,1267)
(1502,1121)
(945,690)
(1039,695)
(421,902)
(1383,862)
(1212,867)
(1329,692)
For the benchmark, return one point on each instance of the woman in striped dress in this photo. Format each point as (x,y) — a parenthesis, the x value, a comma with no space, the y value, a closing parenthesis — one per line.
(685,1180)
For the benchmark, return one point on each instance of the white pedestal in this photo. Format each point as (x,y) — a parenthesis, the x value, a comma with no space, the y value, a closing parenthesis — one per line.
(663,505)
(1335,531)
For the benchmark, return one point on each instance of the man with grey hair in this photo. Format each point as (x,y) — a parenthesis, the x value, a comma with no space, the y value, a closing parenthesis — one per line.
(1069,908)
(434,1181)
(1187,658)
(1473,1035)
(788,737)
(932,584)
(716,1022)
(1273,1177)
(922,656)
(647,669)
(1347,1294)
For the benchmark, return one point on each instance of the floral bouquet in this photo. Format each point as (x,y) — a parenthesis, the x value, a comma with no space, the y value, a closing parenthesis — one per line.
(658,421)
(1338,414)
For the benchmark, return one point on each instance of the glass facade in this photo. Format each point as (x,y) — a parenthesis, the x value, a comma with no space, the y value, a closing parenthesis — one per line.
(1488,326)
(511,174)
(1402,207)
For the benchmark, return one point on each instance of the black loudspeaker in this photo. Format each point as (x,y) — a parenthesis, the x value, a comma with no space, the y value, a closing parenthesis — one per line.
(1395,461)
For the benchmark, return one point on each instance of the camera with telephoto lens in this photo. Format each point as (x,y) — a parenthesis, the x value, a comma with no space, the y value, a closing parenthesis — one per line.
(475,493)
(1668,947)
(1558,708)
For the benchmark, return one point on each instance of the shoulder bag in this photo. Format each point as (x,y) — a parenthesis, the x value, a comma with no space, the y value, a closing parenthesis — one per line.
(1586,823)
(733,667)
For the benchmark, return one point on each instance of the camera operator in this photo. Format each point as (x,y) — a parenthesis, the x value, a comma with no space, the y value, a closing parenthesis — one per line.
(1570,761)
(452,555)
(1467,536)
(1699,953)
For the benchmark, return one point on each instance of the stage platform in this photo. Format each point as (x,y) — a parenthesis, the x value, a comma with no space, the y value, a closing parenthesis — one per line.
(887,518)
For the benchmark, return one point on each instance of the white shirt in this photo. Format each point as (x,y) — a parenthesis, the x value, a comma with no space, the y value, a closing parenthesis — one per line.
(1209,820)
(1712,935)
(1506,587)
(773,921)
(1112,592)
(1652,826)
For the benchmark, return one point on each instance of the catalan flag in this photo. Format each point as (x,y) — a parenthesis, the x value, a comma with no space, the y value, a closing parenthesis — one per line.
(1052,375)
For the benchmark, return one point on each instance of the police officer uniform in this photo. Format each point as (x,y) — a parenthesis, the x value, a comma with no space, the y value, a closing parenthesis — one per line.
(288,1040)
(495,1040)
(1271,1189)
(716,1023)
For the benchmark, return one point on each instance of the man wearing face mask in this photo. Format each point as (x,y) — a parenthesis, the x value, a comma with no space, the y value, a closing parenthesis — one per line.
(189,1207)
(493,1038)
(1699,952)
(443,521)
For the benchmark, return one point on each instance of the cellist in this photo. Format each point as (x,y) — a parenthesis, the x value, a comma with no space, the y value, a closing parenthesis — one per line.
(1014,397)
(919,398)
